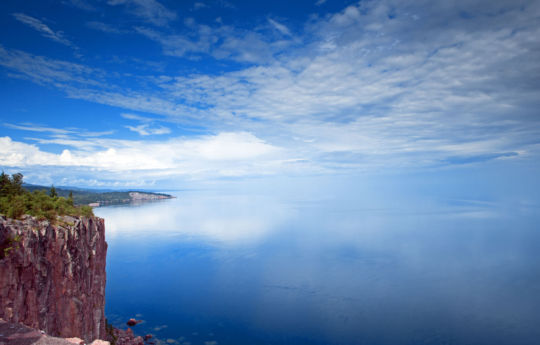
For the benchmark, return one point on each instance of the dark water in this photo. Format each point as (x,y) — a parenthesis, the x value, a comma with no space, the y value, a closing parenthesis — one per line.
(231,268)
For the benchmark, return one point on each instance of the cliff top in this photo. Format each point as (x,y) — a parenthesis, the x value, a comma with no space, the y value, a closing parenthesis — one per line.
(15,201)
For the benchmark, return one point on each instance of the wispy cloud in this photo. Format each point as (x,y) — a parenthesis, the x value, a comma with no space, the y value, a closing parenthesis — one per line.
(34,128)
(176,45)
(45,71)
(280,27)
(81,4)
(223,42)
(136,117)
(95,134)
(148,126)
(146,129)
(199,5)
(82,82)
(44,30)
(105,28)
(225,4)
(149,10)
(58,132)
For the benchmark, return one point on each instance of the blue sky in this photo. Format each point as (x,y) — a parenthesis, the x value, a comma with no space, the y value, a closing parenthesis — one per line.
(156,93)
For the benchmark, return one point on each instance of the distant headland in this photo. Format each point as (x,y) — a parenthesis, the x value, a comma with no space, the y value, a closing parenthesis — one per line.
(96,198)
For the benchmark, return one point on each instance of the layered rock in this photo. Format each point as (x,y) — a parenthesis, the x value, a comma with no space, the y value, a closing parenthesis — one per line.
(52,277)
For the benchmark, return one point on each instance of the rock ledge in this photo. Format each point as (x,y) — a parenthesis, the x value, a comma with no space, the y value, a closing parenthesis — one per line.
(18,334)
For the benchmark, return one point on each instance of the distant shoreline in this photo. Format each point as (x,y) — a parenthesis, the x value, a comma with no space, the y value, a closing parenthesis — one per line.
(100,198)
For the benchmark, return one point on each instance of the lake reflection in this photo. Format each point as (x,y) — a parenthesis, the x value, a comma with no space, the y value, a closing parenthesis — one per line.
(225,268)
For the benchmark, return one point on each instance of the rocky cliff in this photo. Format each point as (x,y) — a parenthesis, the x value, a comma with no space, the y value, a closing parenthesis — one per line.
(52,277)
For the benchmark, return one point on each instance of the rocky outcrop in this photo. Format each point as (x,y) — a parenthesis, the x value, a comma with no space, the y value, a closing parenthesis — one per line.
(140,196)
(52,277)
(18,334)
(125,337)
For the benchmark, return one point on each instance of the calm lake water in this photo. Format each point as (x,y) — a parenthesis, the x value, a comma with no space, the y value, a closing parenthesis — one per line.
(216,267)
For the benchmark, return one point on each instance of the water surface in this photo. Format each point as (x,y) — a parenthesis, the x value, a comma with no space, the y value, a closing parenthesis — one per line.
(217,267)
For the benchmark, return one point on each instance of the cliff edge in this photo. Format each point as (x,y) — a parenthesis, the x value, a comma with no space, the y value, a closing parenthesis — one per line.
(52,276)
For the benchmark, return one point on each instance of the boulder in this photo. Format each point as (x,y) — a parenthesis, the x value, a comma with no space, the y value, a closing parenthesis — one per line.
(133,322)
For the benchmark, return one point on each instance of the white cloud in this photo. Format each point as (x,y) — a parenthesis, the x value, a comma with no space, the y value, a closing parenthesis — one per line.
(223,42)
(57,132)
(320,2)
(147,127)
(230,146)
(42,70)
(229,154)
(16,154)
(81,4)
(105,27)
(148,130)
(176,45)
(36,24)
(95,134)
(136,117)
(280,27)
(198,5)
(34,128)
(150,10)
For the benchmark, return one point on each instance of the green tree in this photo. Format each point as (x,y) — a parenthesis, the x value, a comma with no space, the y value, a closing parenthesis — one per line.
(16,184)
(10,186)
(5,184)
(53,193)
(17,207)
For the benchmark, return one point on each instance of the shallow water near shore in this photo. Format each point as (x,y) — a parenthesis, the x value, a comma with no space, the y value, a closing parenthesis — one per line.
(222,267)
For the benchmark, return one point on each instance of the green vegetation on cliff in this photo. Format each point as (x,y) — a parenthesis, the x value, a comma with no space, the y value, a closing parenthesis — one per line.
(16,201)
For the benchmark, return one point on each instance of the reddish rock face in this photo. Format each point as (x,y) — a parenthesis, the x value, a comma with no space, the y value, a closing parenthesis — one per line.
(52,277)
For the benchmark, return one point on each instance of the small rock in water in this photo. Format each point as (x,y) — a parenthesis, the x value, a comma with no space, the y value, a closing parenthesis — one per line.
(133,322)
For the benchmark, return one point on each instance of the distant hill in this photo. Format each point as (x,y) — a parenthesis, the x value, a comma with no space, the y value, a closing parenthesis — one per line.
(101,197)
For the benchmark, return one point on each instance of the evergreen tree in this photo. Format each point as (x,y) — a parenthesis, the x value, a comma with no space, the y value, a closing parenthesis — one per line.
(16,184)
(5,184)
(53,193)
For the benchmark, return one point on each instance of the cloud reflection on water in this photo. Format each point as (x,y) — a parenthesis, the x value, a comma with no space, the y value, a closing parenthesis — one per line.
(228,219)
